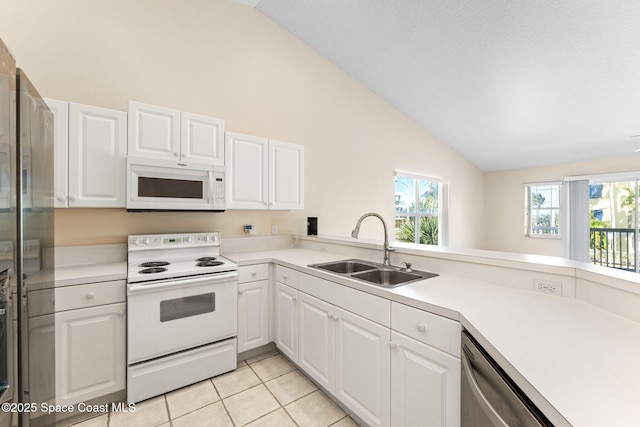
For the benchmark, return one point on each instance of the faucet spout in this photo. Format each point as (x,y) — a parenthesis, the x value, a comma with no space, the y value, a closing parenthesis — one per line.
(387,248)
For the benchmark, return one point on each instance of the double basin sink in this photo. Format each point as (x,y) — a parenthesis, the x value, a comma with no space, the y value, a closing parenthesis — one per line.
(373,273)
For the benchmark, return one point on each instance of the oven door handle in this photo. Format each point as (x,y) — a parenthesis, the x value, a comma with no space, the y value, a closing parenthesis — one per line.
(173,283)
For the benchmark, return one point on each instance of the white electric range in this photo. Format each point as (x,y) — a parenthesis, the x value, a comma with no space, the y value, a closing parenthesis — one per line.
(181,312)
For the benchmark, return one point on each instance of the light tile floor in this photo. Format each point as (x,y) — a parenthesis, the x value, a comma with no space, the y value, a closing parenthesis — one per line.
(266,391)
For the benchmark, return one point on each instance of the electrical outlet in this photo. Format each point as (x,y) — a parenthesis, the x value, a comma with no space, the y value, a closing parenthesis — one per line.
(274,229)
(547,286)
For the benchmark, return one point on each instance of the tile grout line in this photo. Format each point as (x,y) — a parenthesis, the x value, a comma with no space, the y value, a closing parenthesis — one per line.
(261,382)
(295,369)
(222,402)
(269,390)
(166,404)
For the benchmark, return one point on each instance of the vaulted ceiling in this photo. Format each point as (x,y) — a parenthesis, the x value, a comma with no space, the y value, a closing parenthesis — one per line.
(506,83)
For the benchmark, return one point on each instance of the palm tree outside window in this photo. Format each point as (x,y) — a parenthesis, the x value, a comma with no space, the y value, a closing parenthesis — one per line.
(418,208)
(543,210)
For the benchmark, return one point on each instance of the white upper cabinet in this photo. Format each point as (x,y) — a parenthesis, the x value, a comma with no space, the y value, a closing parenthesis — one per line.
(97,157)
(90,145)
(168,134)
(286,175)
(154,132)
(263,173)
(202,139)
(247,160)
(60,110)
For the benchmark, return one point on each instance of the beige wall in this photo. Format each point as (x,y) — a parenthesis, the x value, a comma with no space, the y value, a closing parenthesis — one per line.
(505,203)
(218,58)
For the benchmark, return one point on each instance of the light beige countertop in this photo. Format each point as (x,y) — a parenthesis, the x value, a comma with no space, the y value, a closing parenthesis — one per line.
(576,362)
(90,273)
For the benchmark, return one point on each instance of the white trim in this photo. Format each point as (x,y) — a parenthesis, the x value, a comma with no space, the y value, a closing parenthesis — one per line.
(605,177)
(250,3)
(538,184)
(529,208)
(420,176)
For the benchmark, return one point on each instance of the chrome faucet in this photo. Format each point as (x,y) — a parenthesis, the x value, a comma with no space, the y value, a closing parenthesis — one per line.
(387,248)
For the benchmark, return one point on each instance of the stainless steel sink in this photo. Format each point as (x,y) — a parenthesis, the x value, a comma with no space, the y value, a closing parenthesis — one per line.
(345,267)
(388,277)
(373,273)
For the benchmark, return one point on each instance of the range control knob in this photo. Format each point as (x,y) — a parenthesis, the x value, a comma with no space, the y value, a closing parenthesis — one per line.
(189,239)
(145,241)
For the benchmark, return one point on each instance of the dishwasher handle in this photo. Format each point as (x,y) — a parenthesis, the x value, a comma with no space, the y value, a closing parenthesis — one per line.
(495,418)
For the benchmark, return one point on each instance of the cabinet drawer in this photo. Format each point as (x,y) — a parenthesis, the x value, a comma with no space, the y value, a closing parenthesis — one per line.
(93,294)
(437,331)
(40,302)
(252,273)
(287,276)
(361,303)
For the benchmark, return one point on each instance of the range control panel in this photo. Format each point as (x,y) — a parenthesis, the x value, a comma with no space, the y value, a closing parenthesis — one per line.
(167,241)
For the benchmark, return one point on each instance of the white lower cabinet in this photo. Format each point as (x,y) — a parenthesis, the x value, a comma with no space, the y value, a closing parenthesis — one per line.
(316,332)
(253,315)
(388,363)
(286,320)
(90,352)
(253,306)
(362,367)
(347,355)
(425,384)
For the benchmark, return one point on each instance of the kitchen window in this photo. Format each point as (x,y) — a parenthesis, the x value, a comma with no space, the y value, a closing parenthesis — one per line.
(420,207)
(542,213)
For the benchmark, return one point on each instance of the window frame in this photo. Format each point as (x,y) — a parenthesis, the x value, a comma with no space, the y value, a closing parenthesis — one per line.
(443,210)
(559,209)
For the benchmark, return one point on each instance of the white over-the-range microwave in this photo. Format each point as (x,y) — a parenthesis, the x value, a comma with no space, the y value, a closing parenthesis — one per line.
(164,185)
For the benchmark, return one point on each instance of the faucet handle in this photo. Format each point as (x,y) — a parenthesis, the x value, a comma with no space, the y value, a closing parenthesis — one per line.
(407,266)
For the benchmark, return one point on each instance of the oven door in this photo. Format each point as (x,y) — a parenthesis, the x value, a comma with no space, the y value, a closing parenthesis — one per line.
(164,185)
(168,317)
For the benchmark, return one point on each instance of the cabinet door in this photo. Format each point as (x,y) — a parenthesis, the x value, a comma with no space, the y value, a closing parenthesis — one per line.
(253,315)
(202,139)
(246,158)
(286,320)
(316,339)
(286,175)
(90,353)
(41,380)
(60,110)
(154,132)
(363,374)
(97,157)
(425,385)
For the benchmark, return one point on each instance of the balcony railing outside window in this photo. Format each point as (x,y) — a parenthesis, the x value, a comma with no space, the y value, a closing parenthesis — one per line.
(613,247)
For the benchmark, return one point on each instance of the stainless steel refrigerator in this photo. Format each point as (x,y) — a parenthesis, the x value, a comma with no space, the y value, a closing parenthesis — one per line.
(27,344)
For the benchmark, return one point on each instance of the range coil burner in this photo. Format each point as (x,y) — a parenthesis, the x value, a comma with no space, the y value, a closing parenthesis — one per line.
(152,270)
(154,264)
(209,263)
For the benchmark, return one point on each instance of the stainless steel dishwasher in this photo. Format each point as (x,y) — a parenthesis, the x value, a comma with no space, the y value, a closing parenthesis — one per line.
(489,397)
